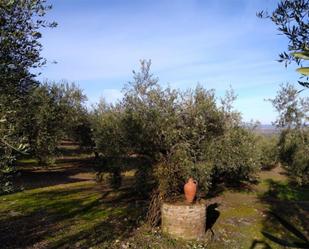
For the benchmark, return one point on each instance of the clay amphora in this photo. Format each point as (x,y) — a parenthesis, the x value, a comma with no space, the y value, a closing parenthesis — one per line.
(190,190)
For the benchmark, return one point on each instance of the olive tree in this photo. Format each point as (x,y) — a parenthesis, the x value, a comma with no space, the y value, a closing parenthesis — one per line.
(291,108)
(170,135)
(20,47)
(180,133)
(57,110)
(293,141)
(292,20)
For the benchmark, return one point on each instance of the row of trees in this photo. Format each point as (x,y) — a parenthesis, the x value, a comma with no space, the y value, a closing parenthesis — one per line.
(167,134)
(293,144)
(291,17)
(20,22)
(177,130)
(57,111)
(187,133)
(51,113)
(34,116)
(170,135)
(292,20)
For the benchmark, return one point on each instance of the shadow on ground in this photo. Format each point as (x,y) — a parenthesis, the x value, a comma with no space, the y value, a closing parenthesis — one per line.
(212,214)
(290,203)
(69,171)
(75,218)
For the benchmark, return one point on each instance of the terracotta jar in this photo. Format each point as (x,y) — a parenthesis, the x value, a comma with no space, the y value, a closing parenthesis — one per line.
(190,190)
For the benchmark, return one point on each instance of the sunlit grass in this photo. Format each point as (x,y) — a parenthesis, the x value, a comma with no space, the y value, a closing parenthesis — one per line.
(76,211)
(86,214)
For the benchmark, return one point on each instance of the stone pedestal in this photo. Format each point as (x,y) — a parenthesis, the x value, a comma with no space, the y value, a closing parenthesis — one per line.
(185,221)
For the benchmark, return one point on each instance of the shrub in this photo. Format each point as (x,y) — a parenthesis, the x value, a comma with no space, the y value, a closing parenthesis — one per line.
(55,111)
(202,172)
(180,134)
(235,156)
(173,172)
(45,124)
(108,134)
(269,154)
(183,134)
(294,154)
(6,169)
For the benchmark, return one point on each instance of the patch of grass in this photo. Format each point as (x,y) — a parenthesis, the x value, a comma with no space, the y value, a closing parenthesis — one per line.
(240,211)
(285,191)
(64,215)
(289,202)
(27,161)
(239,222)
(84,214)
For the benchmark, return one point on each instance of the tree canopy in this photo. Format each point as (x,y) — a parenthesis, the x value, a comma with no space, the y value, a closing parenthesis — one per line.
(292,20)
(20,47)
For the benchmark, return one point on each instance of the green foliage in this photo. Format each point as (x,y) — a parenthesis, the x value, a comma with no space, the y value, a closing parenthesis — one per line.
(44,132)
(11,144)
(303,55)
(70,99)
(20,25)
(6,169)
(292,20)
(293,151)
(182,134)
(56,110)
(269,153)
(150,115)
(292,109)
(82,132)
(202,172)
(108,134)
(174,171)
(235,156)
(293,142)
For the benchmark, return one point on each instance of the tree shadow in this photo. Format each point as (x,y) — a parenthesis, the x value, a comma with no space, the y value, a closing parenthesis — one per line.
(114,227)
(47,213)
(62,173)
(240,187)
(39,217)
(288,202)
(24,231)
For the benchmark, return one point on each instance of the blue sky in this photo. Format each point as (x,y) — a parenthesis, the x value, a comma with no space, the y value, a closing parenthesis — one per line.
(215,43)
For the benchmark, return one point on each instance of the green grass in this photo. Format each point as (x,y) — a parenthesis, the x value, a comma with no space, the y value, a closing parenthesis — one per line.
(28,161)
(286,191)
(61,215)
(84,214)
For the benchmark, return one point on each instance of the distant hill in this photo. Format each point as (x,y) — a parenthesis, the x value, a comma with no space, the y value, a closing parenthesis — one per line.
(267,129)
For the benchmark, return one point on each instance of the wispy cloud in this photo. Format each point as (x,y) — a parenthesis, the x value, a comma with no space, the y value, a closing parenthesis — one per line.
(216,43)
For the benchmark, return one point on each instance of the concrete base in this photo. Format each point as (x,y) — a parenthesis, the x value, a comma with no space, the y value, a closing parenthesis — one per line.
(185,221)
